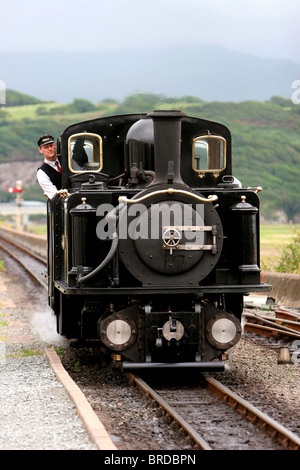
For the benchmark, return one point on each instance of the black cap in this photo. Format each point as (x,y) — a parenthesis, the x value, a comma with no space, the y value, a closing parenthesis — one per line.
(45,139)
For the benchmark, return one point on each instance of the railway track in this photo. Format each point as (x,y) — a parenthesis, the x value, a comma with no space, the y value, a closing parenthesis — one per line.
(215,418)
(30,261)
(199,412)
(285,322)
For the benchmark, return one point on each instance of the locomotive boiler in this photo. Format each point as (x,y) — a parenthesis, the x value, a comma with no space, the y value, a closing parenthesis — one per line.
(152,243)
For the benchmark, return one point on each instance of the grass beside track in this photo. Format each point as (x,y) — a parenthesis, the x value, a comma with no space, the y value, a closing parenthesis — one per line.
(273,238)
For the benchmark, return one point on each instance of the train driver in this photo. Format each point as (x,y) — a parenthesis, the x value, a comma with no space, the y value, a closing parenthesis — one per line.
(49,174)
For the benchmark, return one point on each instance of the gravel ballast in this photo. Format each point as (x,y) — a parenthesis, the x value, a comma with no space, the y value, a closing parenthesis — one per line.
(36,412)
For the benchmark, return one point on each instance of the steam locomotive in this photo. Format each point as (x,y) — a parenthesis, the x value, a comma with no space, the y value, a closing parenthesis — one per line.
(152,243)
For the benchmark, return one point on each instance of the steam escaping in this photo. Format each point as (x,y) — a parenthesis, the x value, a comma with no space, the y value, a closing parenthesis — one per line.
(43,324)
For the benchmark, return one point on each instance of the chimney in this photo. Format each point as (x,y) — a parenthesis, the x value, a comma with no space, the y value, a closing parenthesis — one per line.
(167,146)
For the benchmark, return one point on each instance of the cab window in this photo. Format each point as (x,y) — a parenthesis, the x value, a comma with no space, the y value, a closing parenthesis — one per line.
(209,154)
(85,153)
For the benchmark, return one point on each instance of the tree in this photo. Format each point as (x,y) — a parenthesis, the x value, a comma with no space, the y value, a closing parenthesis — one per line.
(80,105)
(290,257)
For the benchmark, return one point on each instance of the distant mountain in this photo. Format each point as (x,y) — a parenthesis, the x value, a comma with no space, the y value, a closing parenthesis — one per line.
(213,73)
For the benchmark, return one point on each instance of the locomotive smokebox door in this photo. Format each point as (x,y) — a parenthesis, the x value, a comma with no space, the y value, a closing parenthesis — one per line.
(170,239)
(175,246)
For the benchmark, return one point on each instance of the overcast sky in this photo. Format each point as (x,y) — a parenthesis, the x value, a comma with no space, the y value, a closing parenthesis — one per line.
(268,28)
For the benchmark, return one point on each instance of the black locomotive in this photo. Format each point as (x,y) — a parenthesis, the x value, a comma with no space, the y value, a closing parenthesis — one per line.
(152,243)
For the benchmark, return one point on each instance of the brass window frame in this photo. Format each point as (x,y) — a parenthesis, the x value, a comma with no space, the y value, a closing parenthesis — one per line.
(86,135)
(215,171)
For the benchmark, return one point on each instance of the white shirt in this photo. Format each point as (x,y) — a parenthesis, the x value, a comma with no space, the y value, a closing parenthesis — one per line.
(46,184)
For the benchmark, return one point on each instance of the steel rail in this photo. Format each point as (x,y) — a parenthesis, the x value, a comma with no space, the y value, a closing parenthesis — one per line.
(275,430)
(282,322)
(268,330)
(193,435)
(278,433)
(24,249)
(269,325)
(24,265)
(285,313)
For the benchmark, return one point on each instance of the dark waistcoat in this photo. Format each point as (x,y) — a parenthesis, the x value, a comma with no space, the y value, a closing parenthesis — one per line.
(54,175)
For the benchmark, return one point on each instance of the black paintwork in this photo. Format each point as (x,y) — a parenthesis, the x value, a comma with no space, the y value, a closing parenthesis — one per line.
(203,286)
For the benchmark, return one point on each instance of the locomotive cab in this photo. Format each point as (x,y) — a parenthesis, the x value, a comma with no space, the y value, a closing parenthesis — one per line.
(152,243)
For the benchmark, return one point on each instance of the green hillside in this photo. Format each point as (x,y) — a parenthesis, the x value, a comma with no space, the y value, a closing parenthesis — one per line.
(15,98)
(266,136)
